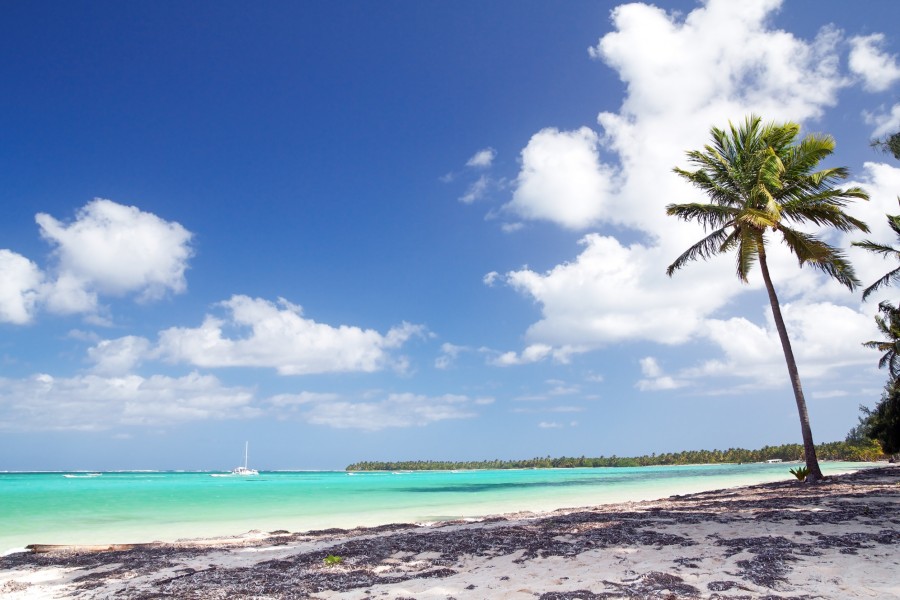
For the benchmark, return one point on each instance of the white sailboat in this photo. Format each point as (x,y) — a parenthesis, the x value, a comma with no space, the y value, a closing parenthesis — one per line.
(244,470)
(239,471)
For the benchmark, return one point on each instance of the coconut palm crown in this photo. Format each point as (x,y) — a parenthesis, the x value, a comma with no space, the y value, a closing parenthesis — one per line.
(888,323)
(760,180)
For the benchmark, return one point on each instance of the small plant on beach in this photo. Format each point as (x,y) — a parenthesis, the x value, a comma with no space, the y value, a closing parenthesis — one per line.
(332,560)
(800,473)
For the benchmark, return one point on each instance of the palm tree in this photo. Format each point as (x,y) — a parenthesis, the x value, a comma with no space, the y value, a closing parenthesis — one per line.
(889,325)
(759,180)
(892,276)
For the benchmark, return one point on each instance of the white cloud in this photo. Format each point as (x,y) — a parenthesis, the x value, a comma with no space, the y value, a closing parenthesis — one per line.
(119,356)
(549,425)
(491,278)
(482,159)
(396,410)
(115,249)
(531,354)
(94,402)
(448,356)
(654,378)
(476,190)
(109,249)
(878,70)
(650,368)
(754,352)
(278,336)
(615,293)
(299,399)
(20,290)
(885,123)
(562,179)
(69,294)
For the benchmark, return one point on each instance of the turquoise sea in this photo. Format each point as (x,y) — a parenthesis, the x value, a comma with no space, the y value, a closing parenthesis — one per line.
(131,507)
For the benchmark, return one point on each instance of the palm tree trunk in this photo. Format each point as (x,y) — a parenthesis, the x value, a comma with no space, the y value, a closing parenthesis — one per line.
(809,449)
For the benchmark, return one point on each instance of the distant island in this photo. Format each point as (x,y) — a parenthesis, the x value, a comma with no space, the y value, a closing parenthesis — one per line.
(857,452)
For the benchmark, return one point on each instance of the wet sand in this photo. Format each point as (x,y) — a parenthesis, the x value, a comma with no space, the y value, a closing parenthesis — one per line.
(836,539)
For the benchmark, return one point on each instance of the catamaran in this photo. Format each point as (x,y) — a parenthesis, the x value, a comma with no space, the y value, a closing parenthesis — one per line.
(243,470)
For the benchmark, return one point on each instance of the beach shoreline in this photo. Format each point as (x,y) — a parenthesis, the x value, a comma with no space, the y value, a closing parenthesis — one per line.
(128,507)
(836,539)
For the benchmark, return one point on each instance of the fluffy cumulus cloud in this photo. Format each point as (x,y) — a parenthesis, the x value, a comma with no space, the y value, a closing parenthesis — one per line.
(21,287)
(825,337)
(682,73)
(376,413)
(96,402)
(116,249)
(119,356)
(562,179)
(278,336)
(614,293)
(878,70)
(109,249)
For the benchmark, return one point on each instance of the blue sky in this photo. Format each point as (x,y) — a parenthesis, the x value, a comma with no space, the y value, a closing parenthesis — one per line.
(357,230)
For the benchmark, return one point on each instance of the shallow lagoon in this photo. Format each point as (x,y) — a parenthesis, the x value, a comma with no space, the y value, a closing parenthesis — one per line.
(130,507)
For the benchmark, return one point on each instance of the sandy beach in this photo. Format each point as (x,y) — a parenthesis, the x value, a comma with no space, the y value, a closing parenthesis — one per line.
(836,539)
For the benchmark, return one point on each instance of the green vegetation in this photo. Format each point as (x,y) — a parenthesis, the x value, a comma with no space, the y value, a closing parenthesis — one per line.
(881,424)
(759,179)
(801,473)
(888,323)
(332,561)
(889,144)
(864,450)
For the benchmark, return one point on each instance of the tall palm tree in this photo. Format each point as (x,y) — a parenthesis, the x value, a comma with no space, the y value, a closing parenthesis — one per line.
(888,324)
(892,276)
(758,181)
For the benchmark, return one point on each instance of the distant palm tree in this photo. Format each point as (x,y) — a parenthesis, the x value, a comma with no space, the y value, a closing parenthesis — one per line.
(892,276)
(888,324)
(759,180)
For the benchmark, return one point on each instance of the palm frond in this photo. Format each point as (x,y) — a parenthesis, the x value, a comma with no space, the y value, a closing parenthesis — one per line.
(877,248)
(828,259)
(886,279)
(709,215)
(747,252)
(758,219)
(708,246)
(718,192)
(894,222)
(823,212)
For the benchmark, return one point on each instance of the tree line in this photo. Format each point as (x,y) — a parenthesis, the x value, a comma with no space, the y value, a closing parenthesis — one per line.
(862,450)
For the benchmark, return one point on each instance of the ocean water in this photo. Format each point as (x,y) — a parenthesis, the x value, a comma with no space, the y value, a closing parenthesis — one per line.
(132,507)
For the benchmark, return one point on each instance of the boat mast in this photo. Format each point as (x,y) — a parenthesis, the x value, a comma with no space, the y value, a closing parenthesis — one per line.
(246,447)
